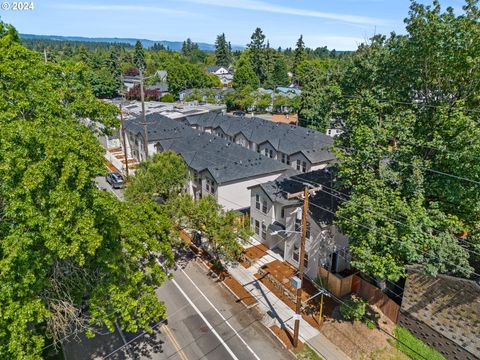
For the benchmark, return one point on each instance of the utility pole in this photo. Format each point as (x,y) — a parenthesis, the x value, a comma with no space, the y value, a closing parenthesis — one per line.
(124,139)
(298,309)
(45,54)
(145,130)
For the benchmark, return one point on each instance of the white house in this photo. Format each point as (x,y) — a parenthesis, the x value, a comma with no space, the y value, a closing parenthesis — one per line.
(223,73)
(276,222)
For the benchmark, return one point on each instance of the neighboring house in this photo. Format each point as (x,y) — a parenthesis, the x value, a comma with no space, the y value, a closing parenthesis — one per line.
(218,167)
(130,81)
(289,92)
(162,88)
(271,211)
(443,311)
(303,149)
(224,74)
(162,76)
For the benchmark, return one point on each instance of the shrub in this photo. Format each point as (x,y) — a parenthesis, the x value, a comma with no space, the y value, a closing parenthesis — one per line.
(167,98)
(353,309)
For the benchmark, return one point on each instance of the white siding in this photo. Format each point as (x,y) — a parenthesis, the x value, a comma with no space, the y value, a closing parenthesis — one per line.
(266,218)
(269,148)
(302,158)
(237,195)
(241,140)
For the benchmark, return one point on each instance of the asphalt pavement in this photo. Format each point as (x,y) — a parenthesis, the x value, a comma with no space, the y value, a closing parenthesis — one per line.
(204,321)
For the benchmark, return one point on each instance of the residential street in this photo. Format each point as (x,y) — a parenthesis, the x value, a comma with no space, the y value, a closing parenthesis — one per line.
(204,322)
(103,184)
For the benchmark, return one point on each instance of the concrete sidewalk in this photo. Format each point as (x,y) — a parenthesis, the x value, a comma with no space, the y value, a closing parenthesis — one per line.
(280,314)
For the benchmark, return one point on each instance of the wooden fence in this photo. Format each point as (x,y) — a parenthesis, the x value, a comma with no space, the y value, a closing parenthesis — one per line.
(339,286)
(376,297)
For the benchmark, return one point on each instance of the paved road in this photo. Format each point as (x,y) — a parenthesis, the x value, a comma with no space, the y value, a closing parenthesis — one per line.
(102,184)
(204,322)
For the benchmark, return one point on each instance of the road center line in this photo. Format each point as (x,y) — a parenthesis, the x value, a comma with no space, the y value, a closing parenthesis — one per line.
(174,342)
(219,313)
(205,320)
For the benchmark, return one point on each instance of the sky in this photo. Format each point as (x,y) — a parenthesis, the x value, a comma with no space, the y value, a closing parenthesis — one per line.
(337,24)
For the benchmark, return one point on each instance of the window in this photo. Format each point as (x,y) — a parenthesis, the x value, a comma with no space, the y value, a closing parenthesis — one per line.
(298,224)
(298,165)
(298,227)
(195,176)
(285,159)
(257,202)
(210,186)
(271,154)
(296,255)
(304,166)
(282,213)
(257,227)
(264,231)
(296,252)
(264,206)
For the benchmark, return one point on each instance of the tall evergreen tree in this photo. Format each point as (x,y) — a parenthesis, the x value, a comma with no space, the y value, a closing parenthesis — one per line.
(280,72)
(257,52)
(113,66)
(223,54)
(139,56)
(188,47)
(299,55)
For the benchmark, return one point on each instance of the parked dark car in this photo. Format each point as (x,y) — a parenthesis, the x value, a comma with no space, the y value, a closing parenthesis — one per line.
(239,113)
(115,179)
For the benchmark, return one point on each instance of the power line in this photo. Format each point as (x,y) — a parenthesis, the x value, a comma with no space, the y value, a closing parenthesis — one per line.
(195,339)
(376,213)
(369,228)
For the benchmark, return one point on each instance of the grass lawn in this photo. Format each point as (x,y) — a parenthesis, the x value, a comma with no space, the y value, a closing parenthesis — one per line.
(307,353)
(406,337)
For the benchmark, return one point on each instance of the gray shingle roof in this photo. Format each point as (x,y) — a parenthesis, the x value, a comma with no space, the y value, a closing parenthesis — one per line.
(287,139)
(226,161)
(289,183)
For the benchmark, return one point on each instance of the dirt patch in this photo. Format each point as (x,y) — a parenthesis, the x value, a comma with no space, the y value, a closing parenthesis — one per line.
(285,336)
(243,295)
(282,272)
(111,168)
(358,341)
(252,254)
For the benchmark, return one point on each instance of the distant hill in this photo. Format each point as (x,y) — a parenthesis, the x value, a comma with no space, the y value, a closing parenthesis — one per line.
(173,45)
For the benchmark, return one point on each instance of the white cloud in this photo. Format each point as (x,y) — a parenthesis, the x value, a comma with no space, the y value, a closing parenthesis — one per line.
(121,8)
(279,9)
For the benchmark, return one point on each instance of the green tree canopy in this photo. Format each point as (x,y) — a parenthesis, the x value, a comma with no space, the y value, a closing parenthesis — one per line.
(258,54)
(280,73)
(223,51)
(245,75)
(163,175)
(139,56)
(299,54)
(408,106)
(71,256)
